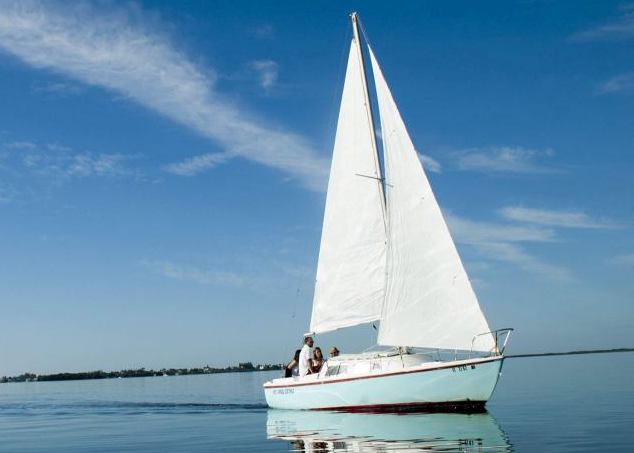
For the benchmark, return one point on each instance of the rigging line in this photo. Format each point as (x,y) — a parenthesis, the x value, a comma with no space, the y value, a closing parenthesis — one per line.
(382,180)
(549,354)
(364,33)
(297,293)
(340,78)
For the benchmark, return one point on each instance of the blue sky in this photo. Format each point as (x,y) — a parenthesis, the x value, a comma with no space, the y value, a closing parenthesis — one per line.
(163,165)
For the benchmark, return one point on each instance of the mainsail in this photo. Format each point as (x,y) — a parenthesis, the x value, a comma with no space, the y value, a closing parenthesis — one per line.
(349,287)
(429,301)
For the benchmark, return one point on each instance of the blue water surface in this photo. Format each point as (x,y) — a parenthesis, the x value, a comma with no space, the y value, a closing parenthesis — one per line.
(566,403)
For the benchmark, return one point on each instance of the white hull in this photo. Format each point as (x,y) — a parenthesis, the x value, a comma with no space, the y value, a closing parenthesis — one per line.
(460,384)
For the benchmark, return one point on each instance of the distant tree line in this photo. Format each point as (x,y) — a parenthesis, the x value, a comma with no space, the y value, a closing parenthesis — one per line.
(141,372)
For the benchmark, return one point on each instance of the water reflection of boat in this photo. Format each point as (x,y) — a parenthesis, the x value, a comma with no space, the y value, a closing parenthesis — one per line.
(339,432)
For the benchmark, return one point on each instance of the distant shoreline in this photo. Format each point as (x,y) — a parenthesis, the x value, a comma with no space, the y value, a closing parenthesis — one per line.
(241,368)
(245,367)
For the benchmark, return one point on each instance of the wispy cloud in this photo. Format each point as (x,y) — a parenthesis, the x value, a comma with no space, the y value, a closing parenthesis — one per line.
(267,72)
(195,274)
(620,28)
(429,163)
(197,164)
(506,241)
(623,260)
(7,194)
(262,31)
(512,253)
(503,159)
(86,164)
(623,83)
(475,232)
(502,242)
(19,145)
(57,89)
(117,51)
(546,217)
(57,161)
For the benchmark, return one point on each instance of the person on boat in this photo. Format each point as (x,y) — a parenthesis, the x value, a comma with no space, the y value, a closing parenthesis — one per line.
(334,352)
(292,369)
(318,360)
(306,357)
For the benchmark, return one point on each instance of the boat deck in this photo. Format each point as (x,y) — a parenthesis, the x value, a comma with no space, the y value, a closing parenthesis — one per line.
(345,368)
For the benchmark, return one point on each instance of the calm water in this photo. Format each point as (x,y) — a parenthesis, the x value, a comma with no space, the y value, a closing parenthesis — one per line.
(573,403)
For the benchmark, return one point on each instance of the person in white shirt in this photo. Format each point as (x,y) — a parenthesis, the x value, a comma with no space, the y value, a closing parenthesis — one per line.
(306,357)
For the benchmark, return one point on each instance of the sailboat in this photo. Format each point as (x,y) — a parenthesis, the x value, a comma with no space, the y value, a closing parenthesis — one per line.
(387,255)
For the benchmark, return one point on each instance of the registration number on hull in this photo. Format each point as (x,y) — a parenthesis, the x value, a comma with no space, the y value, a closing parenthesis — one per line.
(283,391)
(457,369)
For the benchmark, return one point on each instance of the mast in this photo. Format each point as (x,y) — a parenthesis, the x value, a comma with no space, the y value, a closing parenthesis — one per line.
(381,181)
(354,17)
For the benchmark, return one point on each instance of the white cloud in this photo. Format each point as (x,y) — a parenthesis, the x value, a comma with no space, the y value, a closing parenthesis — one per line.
(267,71)
(512,253)
(619,29)
(195,274)
(197,164)
(263,31)
(86,164)
(564,219)
(619,84)
(501,242)
(472,232)
(114,51)
(623,260)
(19,145)
(505,242)
(502,159)
(57,161)
(429,163)
(57,89)
(7,194)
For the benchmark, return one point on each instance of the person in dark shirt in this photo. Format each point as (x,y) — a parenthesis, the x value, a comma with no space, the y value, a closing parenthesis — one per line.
(292,369)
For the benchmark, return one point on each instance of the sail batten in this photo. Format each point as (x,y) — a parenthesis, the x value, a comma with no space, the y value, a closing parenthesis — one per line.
(349,287)
(429,301)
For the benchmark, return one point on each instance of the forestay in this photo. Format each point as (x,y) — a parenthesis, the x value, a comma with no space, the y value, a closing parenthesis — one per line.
(429,300)
(349,285)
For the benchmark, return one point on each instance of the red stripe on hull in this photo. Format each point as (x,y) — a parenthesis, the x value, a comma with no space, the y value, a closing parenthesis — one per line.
(464,407)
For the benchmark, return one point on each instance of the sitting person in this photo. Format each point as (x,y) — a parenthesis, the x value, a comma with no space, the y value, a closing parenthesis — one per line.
(334,352)
(318,360)
(292,369)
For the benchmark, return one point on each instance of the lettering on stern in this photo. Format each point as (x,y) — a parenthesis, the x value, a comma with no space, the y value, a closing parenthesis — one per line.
(283,391)
(460,368)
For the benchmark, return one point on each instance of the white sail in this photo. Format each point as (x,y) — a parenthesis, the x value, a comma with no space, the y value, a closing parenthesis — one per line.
(429,300)
(349,285)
